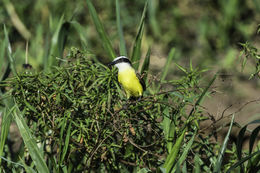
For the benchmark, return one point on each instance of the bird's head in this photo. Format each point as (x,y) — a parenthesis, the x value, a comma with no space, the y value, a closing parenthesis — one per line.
(121,63)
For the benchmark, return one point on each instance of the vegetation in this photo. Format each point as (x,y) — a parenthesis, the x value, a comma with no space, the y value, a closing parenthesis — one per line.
(71,112)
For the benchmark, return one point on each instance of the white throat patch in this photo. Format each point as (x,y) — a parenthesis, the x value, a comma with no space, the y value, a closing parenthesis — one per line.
(123,66)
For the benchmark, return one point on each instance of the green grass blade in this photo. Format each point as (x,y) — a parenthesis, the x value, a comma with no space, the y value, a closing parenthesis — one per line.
(2,55)
(167,64)
(185,152)
(27,168)
(257,6)
(145,66)
(152,8)
(242,161)
(6,74)
(143,170)
(136,53)
(181,68)
(30,142)
(5,70)
(168,128)
(9,51)
(101,32)
(14,163)
(178,168)
(122,46)
(171,158)
(239,142)
(254,163)
(65,148)
(16,21)
(6,122)
(5,126)
(62,38)
(253,137)
(62,126)
(206,89)
(184,168)
(197,164)
(217,166)
(170,136)
(203,94)
(81,32)
(55,47)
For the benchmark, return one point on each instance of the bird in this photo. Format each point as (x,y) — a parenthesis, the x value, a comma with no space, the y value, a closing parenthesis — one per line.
(131,81)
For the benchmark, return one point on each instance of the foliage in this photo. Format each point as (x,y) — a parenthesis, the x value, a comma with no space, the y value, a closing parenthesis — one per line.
(78,112)
(251,52)
(82,121)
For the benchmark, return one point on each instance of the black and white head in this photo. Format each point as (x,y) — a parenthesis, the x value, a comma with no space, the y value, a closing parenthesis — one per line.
(121,63)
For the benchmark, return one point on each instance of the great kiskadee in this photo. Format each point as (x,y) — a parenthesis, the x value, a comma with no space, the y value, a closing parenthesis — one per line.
(128,78)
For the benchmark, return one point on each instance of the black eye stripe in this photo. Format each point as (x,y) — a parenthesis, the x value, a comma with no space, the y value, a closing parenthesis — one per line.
(122,60)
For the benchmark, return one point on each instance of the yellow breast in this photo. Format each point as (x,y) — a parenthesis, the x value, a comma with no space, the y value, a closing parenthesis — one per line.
(131,84)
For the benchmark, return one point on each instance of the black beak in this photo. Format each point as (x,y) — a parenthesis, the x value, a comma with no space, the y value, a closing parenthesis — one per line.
(110,65)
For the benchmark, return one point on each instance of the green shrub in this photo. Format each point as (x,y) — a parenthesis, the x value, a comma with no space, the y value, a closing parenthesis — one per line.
(81,118)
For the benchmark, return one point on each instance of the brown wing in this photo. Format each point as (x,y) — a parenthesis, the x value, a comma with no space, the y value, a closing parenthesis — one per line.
(141,81)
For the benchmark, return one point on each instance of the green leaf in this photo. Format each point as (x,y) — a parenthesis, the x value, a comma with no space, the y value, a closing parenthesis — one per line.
(145,66)
(136,53)
(206,89)
(254,162)
(5,126)
(171,158)
(253,137)
(143,170)
(185,152)
(81,32)
(242,161)
(171,134)
(152,8)
(9,52)
(30,106)
(101,32)
(167,64)
(2,55)
(184,168)
(197,163)
(218,164)
(6,73)
(240,142)
(57,42)
(62,126)
(65,148)
(168,128)
(14,163)
(30,142)
(122,46)
(6,121)
(181,68)
(257,6)
(62,38)
(203,94)
(27,168)
(16,21)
